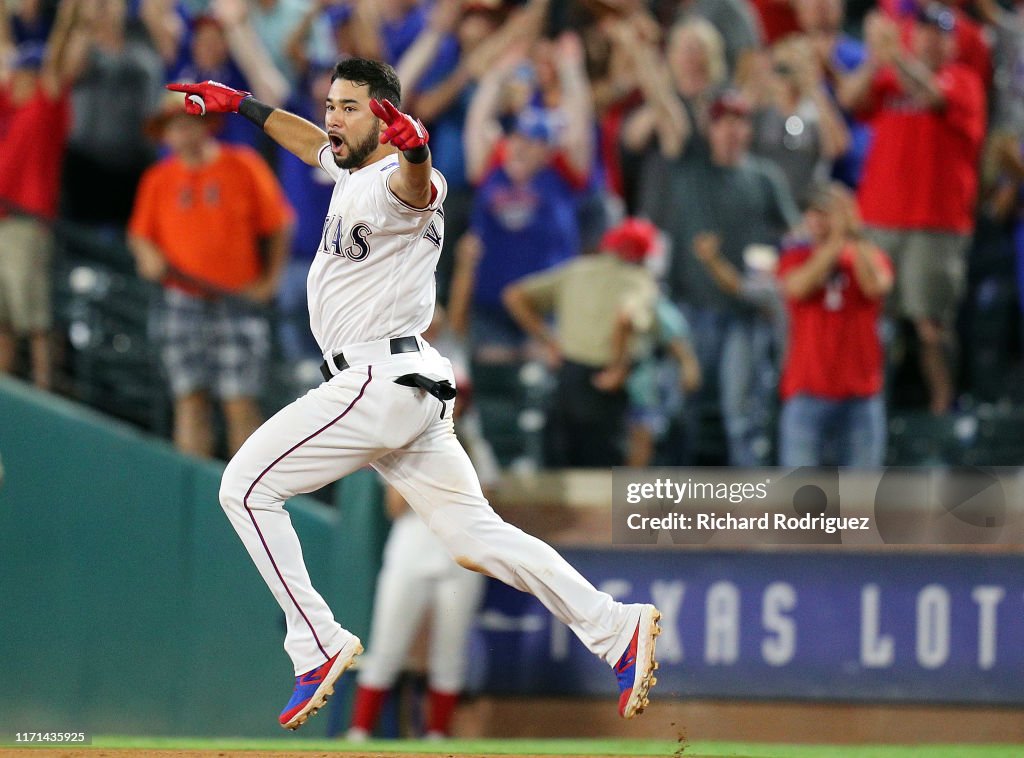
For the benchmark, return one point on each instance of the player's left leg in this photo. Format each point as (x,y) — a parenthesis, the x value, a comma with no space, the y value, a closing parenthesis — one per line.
(434,474)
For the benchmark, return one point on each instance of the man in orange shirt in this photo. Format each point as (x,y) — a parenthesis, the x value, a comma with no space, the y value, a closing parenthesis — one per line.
(212,225)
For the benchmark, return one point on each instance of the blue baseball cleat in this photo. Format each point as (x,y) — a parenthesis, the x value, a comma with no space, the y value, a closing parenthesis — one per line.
(314,687)
(635,669)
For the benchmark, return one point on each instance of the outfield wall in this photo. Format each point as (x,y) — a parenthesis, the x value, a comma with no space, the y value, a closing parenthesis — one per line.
(129,606)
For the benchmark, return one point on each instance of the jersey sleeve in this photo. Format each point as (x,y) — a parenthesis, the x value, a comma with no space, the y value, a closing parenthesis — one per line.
(327,163)
(438,193)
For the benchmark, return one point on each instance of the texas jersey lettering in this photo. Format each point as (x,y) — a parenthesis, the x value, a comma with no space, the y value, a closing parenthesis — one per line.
(363,285)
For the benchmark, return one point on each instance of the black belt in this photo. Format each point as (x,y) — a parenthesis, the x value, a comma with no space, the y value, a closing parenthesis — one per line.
(398,345)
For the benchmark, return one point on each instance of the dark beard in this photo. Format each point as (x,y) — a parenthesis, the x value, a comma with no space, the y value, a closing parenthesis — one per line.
(361,151)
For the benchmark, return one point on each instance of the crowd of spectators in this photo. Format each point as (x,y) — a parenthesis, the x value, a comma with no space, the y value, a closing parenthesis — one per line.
(794,160)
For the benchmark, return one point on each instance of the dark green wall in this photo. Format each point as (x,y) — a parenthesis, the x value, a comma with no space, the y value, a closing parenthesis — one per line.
(127,603)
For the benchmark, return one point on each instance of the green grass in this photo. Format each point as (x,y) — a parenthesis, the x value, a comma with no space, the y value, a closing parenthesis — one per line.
(571,747)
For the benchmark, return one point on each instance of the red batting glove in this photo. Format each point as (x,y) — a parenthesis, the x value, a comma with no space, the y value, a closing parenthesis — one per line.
(210,97)
(402,131)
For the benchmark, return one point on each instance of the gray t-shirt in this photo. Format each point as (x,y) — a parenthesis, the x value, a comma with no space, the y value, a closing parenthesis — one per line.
(1008,77)
(793,143)
(744,204)
(112,100)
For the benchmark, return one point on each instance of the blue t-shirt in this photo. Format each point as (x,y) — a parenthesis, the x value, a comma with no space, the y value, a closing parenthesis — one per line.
(309,189)
(524,229)
(399,35)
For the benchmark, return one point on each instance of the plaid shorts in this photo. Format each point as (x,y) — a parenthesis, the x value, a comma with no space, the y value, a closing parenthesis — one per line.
(222,346)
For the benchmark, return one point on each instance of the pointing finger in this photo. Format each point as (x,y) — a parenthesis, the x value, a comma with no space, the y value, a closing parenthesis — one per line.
(380,111)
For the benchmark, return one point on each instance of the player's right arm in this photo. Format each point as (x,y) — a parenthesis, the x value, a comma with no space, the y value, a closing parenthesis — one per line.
(295,134)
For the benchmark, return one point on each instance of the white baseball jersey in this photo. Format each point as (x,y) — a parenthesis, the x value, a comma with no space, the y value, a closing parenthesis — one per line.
(373,274)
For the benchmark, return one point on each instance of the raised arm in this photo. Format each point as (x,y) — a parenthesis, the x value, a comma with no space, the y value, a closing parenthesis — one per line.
(298,136)
(662,113)
(881,39)
(249,52)
(482,128)
(421,53)
(164,27)
(411,183)
(56,72)
(520,29)
(578,139)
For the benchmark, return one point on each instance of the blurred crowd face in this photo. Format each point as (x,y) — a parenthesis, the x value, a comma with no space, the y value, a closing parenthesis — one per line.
(932,45)
(689,60)
(474,28)
(729,136)
(209,48)
(833,210)
(545,66)
(819,16)
(525,157)
(109,15)
(817,223)
(185,135)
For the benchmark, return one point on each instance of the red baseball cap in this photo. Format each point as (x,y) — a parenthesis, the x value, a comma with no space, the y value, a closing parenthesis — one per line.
(730,103)
(632,240)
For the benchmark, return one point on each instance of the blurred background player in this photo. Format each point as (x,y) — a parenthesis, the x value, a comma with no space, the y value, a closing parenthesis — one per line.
(204,219)
(420,582)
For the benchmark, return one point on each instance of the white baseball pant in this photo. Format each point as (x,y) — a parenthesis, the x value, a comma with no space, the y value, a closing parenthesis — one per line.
(362,417)
(418,575)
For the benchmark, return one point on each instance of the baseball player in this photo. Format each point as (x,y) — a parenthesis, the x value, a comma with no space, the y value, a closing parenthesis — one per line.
(387,396)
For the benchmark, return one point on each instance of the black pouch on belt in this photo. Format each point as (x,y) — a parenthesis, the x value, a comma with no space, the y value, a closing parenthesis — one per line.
(442,389)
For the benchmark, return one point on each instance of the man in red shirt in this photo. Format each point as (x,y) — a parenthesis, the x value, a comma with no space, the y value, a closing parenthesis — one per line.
(35,118)
(920,178)
(833,410)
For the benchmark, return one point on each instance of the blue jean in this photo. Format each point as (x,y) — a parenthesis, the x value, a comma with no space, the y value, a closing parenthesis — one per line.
(737,354)
(815,431)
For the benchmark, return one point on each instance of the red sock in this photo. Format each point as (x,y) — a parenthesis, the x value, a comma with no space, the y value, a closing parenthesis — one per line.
(441,710)
(367,707)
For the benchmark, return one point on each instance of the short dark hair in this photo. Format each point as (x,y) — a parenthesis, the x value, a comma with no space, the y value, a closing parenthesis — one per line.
(379,76)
